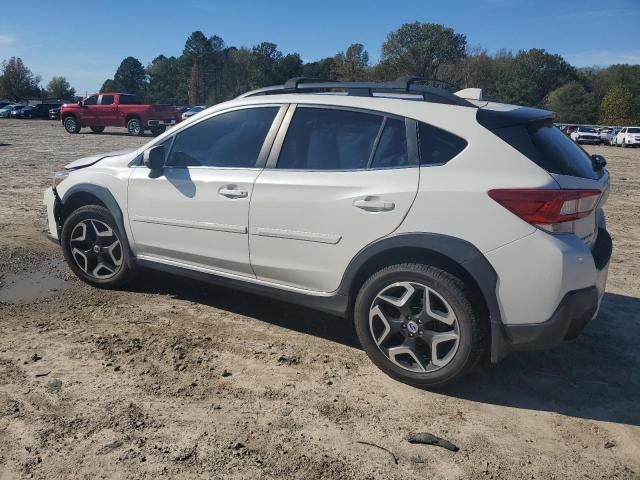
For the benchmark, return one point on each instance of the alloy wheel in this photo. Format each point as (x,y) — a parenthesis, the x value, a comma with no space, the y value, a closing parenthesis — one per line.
(70,124)
(414,327)
(96,249)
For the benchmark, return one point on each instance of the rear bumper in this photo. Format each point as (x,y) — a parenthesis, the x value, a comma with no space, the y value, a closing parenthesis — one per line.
(576,309)
(161,123)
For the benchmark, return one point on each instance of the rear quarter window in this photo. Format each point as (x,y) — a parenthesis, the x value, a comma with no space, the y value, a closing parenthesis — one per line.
(437,146)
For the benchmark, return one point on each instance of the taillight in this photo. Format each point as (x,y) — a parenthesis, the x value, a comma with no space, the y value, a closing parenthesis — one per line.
(547,207)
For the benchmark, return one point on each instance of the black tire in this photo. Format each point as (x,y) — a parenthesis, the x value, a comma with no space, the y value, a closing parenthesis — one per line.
(71,124)
(155,131)
(134,127)
(472,330)
(101,218)
(97,129)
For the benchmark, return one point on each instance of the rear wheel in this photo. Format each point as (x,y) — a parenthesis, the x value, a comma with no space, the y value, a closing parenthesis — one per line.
(71,124)
(97,129)
(134,127)
(155,131)
(95,249)
(417,324)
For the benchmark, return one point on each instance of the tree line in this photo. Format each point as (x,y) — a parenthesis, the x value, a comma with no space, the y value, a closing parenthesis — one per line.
(209,71)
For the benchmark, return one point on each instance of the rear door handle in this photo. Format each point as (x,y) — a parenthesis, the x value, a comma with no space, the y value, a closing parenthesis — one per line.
(374,204)
(232,191)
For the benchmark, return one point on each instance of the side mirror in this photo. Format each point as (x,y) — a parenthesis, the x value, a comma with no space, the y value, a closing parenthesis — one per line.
(153,158)
(80,104)
(598,162)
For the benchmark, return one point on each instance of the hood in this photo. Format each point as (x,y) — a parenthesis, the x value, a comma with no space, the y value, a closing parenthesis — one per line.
(88,161)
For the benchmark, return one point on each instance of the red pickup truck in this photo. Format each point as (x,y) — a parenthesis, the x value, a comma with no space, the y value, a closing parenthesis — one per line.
(102,110)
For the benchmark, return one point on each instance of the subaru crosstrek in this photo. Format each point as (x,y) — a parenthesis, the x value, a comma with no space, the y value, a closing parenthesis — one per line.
(443,225)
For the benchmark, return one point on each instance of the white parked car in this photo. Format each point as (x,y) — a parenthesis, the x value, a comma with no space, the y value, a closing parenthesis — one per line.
(441,226)
(628,137)
(192,111)
(585,135)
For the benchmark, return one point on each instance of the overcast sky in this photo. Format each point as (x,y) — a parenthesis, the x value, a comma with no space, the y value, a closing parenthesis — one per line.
(86,42)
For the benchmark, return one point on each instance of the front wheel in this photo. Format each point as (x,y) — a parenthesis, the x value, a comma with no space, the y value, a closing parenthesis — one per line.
(97,129)
(95,248)
(71,124)
(417,324)
(134,127)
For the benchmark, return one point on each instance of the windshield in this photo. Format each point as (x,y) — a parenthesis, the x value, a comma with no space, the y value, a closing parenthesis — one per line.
(634,130)
(587,130)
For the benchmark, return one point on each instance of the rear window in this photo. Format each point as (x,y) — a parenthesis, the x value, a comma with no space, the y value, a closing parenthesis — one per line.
(549,148)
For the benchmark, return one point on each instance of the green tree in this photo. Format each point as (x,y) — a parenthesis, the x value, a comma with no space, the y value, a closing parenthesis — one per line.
(17,82)
(320,69)
(288,67)
(421,49)
(109,85)
(620,107)
(572,104)
(266,57)
(59,87)
(351,65)
(131,76)
(165,76)
(529,77)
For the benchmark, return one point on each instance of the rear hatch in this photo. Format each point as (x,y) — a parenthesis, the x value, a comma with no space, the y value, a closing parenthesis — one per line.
(532,133)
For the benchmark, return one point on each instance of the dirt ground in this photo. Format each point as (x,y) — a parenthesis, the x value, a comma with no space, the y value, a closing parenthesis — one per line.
(177,379)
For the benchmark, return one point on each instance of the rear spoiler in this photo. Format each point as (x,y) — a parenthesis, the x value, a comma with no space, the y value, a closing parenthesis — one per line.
(492,119)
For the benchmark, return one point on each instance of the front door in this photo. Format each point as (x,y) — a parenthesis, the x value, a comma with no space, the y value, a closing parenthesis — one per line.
(88,113)
(196,211)
(341,180)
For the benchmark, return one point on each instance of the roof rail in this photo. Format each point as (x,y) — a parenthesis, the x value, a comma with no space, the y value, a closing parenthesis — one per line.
(406,84)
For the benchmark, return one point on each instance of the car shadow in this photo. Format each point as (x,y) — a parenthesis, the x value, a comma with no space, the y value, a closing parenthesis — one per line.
(275,312)
(116,134)
(594,377)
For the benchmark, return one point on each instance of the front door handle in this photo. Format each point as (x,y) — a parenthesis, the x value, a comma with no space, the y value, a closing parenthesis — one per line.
(374,204)
(232,191)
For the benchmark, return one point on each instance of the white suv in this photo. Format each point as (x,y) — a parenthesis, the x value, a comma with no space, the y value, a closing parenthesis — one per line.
(628,137)
(444,227)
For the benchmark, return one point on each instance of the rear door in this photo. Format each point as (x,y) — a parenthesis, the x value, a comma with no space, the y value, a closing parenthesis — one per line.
(336,180)
(106,111)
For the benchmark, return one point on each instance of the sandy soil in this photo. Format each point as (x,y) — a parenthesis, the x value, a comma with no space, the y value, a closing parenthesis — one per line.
(179,379)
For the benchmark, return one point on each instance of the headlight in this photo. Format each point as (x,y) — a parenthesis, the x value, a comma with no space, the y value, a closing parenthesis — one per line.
(58,177)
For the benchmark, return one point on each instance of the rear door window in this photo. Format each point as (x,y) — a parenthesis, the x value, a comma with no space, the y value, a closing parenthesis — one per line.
(106,100)
(329,139)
